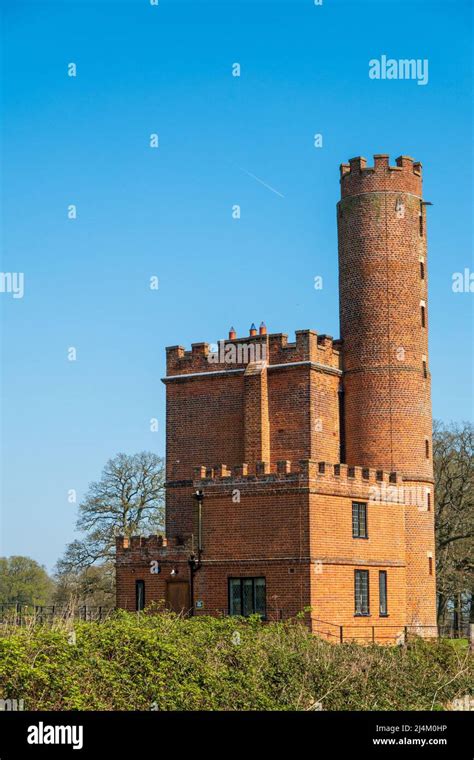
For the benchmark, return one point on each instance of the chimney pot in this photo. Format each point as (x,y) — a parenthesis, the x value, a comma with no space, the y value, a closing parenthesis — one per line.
(232,334)
(253,329)
(263,329)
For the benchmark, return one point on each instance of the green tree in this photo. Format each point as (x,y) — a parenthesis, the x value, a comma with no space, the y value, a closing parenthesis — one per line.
(23,580)
(94,586)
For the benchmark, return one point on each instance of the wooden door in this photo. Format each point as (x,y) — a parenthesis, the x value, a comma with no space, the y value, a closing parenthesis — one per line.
(177,596)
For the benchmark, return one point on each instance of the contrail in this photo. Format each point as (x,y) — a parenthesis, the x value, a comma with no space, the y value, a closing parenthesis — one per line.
(269,187)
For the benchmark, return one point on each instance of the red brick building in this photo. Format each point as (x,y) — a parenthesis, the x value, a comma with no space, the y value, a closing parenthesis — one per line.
(299,475)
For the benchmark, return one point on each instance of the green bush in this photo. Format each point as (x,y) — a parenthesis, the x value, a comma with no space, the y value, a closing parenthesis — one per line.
(166,662)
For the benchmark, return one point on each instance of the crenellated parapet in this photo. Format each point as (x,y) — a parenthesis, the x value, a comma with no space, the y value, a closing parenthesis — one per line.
(236,353)
(148,547)
(286,469)
(308,346)
(312,476)
(179,361)
(306,474)
(357,177)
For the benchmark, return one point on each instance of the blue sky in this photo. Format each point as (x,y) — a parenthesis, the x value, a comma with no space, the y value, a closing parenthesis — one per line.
(167,212)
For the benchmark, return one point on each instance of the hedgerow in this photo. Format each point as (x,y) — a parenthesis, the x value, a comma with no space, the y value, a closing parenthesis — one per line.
(167,662)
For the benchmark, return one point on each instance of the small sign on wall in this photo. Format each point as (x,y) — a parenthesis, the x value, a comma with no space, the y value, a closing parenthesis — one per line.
(199,604)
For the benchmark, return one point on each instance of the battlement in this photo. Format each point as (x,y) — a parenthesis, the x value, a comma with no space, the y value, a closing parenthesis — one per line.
(286,470)
(308,346)
(236,353)
(357,177)
(136,542)
(152,543)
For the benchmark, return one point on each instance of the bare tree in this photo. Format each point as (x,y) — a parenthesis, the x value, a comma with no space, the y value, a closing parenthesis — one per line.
(454,494)
(127,500)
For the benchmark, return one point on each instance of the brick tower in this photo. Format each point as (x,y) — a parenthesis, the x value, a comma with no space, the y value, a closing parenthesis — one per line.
(384,329)
(299,474)
(383,316)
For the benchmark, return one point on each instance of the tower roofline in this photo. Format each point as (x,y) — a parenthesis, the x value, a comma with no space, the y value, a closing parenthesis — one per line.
(356,177)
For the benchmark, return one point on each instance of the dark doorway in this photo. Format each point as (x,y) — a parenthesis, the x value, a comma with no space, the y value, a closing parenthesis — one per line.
(177,596)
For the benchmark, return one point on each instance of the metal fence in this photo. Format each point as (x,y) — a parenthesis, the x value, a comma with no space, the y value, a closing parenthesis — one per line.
(27,614)
(23,614)
(270,616)
(388,633)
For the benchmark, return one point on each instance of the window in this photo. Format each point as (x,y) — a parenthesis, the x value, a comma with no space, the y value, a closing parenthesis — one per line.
(361,592)
(422,270)
(428,500)
(430,565)
(139,595)
(359,519)
(427,449)
(342,433)
(247,596)
(421,218)
(383,611)
(423,316)
(425,371)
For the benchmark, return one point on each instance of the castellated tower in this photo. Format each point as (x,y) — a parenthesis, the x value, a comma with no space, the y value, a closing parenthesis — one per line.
(299,473)
(383,317)
(384,331)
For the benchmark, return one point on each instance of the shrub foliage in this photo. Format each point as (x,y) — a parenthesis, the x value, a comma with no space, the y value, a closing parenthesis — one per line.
(166,662)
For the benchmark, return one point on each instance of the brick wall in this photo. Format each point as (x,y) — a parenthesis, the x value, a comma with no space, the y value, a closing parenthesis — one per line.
(285,407)
(293,526)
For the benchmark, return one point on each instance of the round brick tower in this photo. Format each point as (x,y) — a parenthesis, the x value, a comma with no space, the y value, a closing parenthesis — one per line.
(383,317)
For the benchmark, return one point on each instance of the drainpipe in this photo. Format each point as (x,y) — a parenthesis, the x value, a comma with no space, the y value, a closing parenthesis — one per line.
(193,561)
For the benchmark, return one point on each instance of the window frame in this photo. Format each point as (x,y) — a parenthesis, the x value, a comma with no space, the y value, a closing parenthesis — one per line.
(383,575)
(139,583)
(241,579)
(360,504)
(365,573)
